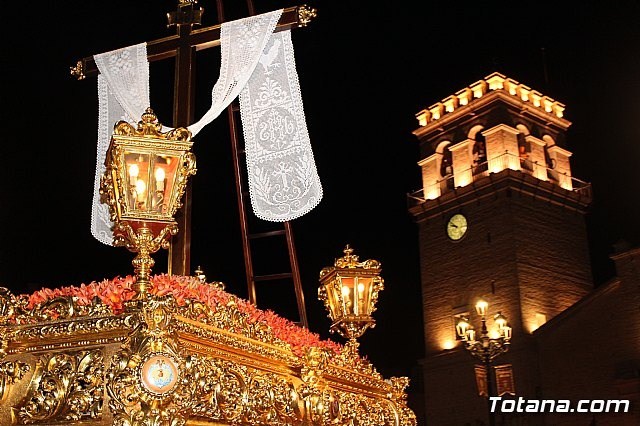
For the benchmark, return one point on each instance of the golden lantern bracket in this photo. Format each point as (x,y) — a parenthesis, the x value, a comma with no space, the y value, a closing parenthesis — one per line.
(352,328)
(144,243)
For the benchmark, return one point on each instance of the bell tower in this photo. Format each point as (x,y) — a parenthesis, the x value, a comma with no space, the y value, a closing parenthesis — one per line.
(500,217)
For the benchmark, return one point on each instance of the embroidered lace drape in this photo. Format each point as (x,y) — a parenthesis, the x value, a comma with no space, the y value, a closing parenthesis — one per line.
(123,94)
(283,180)
(257,64)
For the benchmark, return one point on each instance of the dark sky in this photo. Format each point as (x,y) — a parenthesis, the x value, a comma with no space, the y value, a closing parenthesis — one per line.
(365,70)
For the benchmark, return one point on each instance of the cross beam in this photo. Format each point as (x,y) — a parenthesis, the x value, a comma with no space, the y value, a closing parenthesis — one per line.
(203,38)
(183,46)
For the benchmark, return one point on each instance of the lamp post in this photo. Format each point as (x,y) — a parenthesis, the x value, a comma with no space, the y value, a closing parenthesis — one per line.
(146,174)
(349,290)
(485,347)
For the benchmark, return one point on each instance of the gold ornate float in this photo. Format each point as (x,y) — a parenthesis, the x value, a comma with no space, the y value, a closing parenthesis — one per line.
(192,354)
(172,350)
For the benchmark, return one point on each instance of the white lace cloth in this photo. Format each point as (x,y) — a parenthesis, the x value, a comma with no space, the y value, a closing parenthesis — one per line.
(283,180)
(241,46)
(123,94)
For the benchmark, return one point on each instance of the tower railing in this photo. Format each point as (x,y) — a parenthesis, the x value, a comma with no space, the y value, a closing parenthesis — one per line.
(497,164)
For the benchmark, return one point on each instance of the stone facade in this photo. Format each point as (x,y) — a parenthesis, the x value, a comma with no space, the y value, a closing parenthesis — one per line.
(592,350)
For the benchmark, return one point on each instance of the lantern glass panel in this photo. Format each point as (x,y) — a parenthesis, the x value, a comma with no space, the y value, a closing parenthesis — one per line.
(333,300)
(364,289)
(164,176)
(346,290)
(136,182)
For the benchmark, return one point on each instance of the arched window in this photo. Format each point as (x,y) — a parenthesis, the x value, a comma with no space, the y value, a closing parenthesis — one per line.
(549,142)
(523,129)
(473,132)
(524,150)
(445,167)
(479,150)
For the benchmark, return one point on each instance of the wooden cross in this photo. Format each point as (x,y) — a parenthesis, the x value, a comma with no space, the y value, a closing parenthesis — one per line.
(183,46)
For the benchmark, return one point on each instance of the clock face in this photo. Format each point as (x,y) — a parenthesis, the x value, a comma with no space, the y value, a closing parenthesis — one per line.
(457,227)
(159,374)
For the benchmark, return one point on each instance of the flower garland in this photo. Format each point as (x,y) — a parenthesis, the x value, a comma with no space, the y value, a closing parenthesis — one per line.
(115,292)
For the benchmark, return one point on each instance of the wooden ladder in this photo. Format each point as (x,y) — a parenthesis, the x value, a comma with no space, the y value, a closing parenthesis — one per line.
(249,236)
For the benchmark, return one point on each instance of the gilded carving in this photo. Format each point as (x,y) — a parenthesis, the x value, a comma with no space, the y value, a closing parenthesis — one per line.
(231,319)
(67,386)
(10,373)
(176,363)
(306,14)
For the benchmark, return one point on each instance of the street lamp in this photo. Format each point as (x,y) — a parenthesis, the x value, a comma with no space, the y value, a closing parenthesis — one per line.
(487,346)
(146,174)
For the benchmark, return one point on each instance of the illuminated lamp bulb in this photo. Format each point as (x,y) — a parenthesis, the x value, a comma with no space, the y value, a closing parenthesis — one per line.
(159,175)
(507,332)
(134,171)
(141,188)
(471,335)
(481,307)
(500,321)
(462,327)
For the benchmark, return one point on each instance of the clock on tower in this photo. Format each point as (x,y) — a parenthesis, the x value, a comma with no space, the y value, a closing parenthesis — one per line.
(456,227)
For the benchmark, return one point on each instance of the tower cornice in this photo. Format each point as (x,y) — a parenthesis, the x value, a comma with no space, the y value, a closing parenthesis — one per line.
(495,87)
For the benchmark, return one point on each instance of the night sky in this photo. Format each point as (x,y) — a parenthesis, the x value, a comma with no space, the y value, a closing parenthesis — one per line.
(365,70)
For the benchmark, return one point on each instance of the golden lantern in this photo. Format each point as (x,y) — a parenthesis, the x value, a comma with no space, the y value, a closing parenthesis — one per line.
(145,177)
(350,290)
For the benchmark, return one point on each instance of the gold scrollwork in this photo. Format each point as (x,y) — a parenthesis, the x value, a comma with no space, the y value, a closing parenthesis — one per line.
(230,318)
(78,70)
(229,369)
(10,373)
(132,400)
(306,14)
(66,386)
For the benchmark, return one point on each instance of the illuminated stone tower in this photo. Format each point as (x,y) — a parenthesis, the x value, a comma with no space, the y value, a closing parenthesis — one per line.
(500,217)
